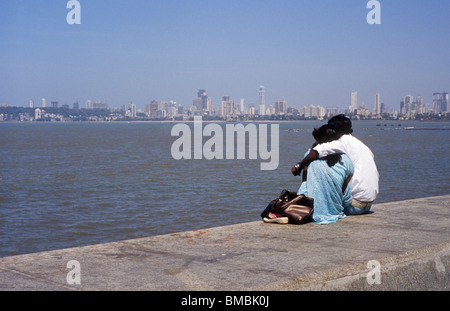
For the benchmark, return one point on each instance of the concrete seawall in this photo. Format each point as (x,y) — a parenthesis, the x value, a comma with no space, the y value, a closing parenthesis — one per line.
(402,245)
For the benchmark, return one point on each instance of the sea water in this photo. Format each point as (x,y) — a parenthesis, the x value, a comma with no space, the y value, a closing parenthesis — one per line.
(73,184)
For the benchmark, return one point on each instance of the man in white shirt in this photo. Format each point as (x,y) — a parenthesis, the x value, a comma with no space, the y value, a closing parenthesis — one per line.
(365,178)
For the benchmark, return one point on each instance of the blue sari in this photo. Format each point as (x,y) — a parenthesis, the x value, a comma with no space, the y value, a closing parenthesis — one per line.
(324,184)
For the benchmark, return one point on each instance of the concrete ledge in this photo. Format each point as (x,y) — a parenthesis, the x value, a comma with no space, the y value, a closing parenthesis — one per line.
(409,239)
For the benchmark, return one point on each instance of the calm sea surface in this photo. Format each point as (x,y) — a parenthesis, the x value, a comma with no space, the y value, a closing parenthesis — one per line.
(75,184)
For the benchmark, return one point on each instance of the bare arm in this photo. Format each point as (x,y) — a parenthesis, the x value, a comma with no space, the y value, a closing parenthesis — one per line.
(313,155)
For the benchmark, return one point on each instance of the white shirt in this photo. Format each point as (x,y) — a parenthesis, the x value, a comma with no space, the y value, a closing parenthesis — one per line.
(365,178)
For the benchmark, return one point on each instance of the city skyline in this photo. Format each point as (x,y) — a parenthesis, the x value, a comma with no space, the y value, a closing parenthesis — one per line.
(303,52)
(204,102)
(411,108)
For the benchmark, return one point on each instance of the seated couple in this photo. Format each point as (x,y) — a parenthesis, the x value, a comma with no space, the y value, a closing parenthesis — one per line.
(339,172)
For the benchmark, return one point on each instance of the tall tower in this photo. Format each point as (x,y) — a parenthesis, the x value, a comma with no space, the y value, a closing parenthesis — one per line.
(377,104)
(241,106)
(203,99)
(419,105)
(153,109)
(444,104)
(262,100)
(133,110)
(353,102)
(407,104)
(227,106)
(203,103)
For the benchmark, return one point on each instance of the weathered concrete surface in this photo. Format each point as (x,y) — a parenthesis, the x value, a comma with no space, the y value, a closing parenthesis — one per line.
(409,239)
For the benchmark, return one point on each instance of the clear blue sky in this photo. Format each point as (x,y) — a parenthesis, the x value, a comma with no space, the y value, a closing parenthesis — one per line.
(307,52)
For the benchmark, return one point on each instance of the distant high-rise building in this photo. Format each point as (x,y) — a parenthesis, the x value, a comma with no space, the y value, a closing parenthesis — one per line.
(242,106)
(171,108)
(147,109)
(437,97)
(37,114)
(100,105)
(31,103)
(418,106)
(353,102)
(312,111)
(408,101)
(76,105)
(440,102)
(180,110)
(203,103)
(445,99)
(153,109)
(227,106)
(43,103)
(262,100)
(133,110)
(54,104)
(377,104)
(280,107)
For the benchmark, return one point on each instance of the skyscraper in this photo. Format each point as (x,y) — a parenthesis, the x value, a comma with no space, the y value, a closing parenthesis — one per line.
(203,103)
(133,110)
(227,106)
(407,105)
(262,100)
(440,102)
(377,108)
(444,103)
(153,109)
(418,107)
(241,106)
(353,102)
(437,99)
(280,107)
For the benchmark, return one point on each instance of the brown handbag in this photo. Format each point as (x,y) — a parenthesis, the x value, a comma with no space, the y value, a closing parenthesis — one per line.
(298,208)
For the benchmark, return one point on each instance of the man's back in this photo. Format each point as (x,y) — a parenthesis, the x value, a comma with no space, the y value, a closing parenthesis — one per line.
(365,178)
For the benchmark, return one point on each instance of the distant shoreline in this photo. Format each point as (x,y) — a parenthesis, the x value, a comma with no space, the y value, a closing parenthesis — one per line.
(381,122)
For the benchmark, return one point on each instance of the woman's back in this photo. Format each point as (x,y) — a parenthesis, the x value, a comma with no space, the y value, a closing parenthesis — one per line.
(325,184)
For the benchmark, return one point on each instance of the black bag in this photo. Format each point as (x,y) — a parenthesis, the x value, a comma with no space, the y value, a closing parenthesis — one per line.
(298,208)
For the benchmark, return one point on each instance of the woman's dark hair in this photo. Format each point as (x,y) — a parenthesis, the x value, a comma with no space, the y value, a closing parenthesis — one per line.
(325,134)
(342,124)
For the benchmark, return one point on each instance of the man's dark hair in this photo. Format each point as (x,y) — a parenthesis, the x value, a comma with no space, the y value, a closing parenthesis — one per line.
(342,123)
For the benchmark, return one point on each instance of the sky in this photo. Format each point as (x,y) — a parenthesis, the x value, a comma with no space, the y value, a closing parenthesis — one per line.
(313,52)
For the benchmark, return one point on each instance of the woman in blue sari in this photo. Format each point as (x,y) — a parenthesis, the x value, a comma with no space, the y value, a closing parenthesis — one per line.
(327,181)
